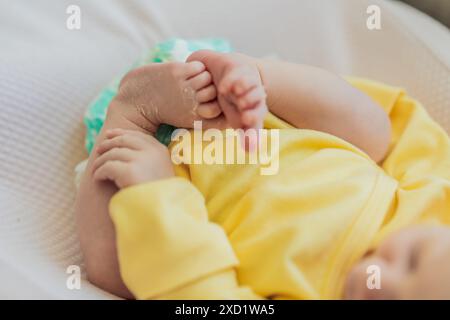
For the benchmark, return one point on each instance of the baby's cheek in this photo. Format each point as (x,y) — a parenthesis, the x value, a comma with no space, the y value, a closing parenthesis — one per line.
(352,289)
(373,279)
(432,279)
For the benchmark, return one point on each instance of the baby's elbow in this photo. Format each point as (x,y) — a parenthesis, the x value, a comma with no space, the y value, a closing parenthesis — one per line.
(106,276)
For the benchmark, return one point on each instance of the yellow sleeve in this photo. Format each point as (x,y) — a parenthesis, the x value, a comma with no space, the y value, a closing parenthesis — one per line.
(168,249)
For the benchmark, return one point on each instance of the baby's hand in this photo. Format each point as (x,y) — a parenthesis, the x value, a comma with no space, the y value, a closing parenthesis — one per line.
(130,157)
(174,93)
(241,94)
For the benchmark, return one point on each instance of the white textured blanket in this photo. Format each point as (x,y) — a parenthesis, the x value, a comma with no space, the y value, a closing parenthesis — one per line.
(48,74)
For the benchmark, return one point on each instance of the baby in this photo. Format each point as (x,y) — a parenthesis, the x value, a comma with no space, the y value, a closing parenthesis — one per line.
(225,232)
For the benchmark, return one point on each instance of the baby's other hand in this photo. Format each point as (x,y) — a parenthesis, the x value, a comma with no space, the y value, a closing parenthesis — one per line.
(129,157)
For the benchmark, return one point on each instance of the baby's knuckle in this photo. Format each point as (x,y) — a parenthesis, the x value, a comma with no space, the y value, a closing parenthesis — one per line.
(120,140)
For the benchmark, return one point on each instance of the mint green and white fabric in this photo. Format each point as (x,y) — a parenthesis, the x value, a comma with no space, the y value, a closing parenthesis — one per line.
(171,50)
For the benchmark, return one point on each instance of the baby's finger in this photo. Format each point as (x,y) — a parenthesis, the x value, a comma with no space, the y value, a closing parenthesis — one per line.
(244,84)
(232,115)
(111,170)
(206,94)
(111,133)
(193,68)
(125,141)
(254,118)
(209,110)
(251,99)
(227,82)
(130,141)
(200,81)
(115,154)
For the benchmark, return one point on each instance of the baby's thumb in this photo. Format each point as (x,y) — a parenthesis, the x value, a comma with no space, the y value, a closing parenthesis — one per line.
(200,55)
(209,110)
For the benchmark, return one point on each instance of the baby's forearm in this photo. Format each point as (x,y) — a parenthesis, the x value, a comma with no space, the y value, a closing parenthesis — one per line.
(312,98)
(95,227)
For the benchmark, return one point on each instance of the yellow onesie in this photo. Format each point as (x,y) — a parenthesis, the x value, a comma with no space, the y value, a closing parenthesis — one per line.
(228,232)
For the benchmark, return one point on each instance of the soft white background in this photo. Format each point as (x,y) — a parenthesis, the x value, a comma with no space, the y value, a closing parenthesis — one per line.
(49,74)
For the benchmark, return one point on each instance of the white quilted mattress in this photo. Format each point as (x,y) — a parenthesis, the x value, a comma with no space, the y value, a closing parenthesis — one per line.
(49,74)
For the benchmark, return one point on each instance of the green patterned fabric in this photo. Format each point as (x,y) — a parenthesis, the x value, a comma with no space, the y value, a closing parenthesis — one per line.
(171,50)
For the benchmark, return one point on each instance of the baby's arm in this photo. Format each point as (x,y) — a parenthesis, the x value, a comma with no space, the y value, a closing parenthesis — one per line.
(312,98)
(148,96)
(305,96)
(95,228)
(167,248)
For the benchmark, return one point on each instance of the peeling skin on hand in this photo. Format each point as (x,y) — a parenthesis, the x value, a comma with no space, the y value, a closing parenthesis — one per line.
(160,95)
(189,99)
(151,123)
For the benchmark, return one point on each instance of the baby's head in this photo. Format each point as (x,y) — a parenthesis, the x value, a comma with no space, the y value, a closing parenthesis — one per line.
(413,263)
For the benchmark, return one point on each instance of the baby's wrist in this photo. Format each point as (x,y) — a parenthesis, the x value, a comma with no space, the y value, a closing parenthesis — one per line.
(130,116)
